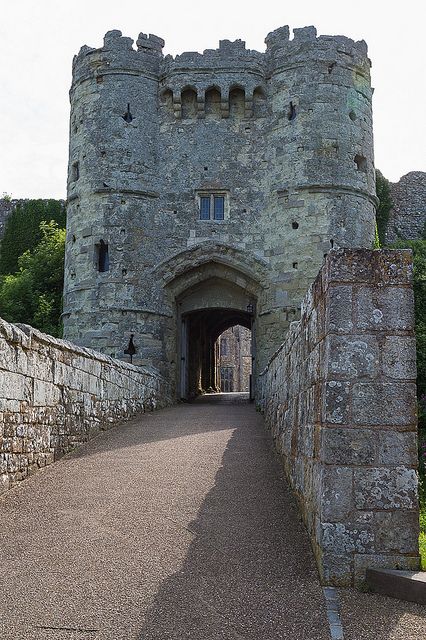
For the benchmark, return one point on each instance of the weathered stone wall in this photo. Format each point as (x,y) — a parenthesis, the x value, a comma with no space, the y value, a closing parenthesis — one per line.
(54,396)
(339,397)
(285,136)
(407,218)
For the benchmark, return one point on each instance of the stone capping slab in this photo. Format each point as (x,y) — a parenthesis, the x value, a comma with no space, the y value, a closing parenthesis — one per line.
(31,336)
(404,585)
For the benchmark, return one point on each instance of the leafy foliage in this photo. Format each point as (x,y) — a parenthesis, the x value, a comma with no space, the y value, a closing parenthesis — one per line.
(23,232)
(385,205)
(33,295)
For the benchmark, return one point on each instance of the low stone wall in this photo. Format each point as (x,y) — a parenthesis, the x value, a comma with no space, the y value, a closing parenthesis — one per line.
(55,396)
(339,397)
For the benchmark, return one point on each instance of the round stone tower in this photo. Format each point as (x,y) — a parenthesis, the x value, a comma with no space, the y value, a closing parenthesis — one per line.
(204,191)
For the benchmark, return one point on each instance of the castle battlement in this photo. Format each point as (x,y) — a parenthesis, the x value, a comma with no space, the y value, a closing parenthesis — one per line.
(238,169)
(304,48)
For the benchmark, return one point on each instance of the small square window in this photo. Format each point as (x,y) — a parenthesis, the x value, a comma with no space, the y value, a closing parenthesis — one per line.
(219,207)
(212,206)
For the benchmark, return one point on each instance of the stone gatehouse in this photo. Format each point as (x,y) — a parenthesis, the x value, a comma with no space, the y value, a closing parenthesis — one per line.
(205,190)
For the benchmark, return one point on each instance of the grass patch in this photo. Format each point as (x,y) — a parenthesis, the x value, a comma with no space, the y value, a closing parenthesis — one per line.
(422,538)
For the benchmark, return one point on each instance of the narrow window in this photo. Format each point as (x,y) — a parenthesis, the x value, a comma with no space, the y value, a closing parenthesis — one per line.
(103,257)
(291,112)
(205,208)
(219,207)
(223,347)
(75,171)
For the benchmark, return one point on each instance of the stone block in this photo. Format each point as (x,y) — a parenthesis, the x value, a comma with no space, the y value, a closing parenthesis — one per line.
(383,403)
(13,386)
(349,357)
(346,538)
(339,309)
(397,531)
(348,446)
(388,309)
(399,357)
(385,489)
(336,494)
(362,562)
(45,394)
(385,267)
(336,569)
(397,448)
(336,402)
(4,482)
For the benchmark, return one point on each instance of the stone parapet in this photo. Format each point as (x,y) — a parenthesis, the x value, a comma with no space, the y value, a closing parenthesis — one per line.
(339,397)
(55,396)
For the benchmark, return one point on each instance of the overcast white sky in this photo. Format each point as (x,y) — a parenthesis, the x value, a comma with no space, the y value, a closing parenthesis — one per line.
(38,39)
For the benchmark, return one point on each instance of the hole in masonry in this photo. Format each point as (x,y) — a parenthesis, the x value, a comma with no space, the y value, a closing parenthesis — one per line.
(74,238)
(352,115)
(291,112)
(99,79)
(361,163)
(295,265)
(331,67)
(332,243)
(325,255)
(294,225)
(75,171)
(123,201)
(244,210)
(175,211)
(103,256)
(127,116)
(206,168)
(124,272)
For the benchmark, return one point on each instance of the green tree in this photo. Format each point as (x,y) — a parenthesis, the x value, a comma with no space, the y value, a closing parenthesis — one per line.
(385,205)
(33,295)
(23,232)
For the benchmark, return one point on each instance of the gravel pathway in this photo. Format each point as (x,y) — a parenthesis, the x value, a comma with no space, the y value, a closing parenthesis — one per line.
(175,525)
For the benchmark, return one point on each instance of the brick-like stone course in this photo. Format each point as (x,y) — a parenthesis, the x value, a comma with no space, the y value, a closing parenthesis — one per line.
(339,398)
(55,396)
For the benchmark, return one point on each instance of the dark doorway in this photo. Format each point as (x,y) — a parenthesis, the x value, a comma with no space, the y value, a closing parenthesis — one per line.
(200,349)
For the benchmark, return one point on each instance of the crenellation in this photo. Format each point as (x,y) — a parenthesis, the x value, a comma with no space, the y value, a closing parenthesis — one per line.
(150,136)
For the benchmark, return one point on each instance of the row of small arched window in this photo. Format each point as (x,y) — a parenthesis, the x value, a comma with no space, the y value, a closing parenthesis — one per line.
(189,105)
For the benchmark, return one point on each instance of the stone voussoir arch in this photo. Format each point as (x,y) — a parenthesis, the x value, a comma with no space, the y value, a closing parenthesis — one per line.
(244,265)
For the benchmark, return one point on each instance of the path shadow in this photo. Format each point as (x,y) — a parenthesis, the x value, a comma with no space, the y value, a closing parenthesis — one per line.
(249,572)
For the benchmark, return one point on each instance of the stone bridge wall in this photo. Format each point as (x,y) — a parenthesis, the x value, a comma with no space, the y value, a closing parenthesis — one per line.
(55,396)
(339,397)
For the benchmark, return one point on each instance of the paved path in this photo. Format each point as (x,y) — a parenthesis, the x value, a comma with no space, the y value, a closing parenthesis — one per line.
(176,525)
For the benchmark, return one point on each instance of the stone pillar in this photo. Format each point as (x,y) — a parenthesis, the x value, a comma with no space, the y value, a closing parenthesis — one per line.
(367,440)
(340,399)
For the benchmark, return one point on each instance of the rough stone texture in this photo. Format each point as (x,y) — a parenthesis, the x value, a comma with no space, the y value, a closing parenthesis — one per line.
(54,396)
(339,399)
(407,218)
(285,136)
(6,208)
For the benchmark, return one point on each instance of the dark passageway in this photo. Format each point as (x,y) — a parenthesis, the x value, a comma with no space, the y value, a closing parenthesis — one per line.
(203,329)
